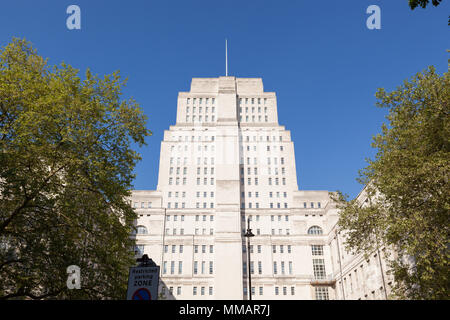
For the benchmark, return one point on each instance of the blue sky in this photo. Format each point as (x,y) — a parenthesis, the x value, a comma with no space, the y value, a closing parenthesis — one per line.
(319,53)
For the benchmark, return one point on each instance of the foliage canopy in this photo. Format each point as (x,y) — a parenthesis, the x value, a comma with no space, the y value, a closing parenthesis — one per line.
(66,168)
(408,188)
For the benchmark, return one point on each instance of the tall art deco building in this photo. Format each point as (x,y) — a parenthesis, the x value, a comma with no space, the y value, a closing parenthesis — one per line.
(227,161)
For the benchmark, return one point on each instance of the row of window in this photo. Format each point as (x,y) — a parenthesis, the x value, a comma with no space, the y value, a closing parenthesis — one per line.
(274,148)
(314,230)
(316,250)
(270,181)
(321,293)
(277,291)
(205,170)
(200,100)
(202,269)
(280,232)
(253,119)
(256,194)
(183,194)
(200,109)
(271,205)
(275,267)
(200,118)
(212,138)
(172,267)
(274,248)
(196,248)
(252,100)
(247,138)
(199,138)
(196,232)
(144,205)
(252,109)
(178,180)
(206,148)
(305,205)
(205,161)
(269,171)
(202,291)
(200,148)
(182,205)
(272,218)
(255,161)
(197,217)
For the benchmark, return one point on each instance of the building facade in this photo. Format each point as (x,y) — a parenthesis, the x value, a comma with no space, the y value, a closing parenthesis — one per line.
(227,162)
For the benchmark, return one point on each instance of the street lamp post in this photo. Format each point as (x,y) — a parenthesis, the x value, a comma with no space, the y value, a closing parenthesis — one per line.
(248,235)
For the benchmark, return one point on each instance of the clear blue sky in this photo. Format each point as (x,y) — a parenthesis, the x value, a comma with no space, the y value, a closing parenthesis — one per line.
(317,52)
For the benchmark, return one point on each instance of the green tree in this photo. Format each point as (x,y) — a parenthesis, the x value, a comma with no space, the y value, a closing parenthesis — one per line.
(423,3)
(407,208)
(65,174)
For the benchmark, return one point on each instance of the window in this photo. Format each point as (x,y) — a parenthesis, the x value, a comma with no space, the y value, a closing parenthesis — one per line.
(194,291)
(322,293)
(317,250)
(319,268)
(315,230)
(141,230)
(139,250)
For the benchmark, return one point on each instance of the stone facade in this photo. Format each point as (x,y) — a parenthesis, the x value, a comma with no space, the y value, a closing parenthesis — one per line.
(224,162)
